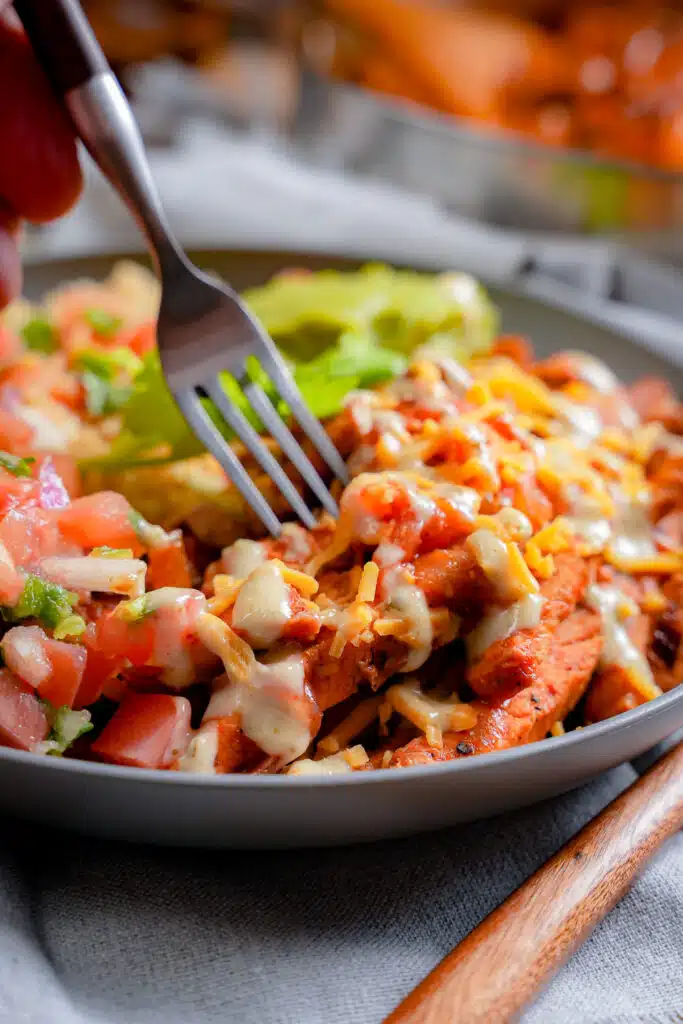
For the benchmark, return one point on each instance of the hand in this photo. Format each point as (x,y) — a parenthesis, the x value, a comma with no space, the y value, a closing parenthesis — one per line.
(39,173)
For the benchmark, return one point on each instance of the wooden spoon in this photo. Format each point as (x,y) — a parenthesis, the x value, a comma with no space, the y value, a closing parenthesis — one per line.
(502,965)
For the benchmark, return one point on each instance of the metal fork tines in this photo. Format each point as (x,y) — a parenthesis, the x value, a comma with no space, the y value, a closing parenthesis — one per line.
(189,401)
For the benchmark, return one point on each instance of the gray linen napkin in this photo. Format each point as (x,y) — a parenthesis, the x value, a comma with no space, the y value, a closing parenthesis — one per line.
(95,932)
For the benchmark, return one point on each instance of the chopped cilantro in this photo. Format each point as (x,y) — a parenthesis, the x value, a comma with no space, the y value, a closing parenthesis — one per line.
(102,398)
(47,602)
(108,364)
(71,626)
(39,335)
(66,726)
(102,322)
(133,611)
(15,465)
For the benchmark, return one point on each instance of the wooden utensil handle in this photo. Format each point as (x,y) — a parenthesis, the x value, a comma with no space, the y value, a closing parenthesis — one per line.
(502,964)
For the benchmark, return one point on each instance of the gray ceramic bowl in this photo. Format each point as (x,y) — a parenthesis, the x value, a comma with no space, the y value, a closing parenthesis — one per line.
(277,811)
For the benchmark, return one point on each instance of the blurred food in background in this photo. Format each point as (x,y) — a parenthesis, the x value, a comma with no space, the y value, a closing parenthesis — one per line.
(239,50)
(602,77)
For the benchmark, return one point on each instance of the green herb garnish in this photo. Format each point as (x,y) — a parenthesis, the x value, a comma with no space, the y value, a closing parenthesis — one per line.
(16,465)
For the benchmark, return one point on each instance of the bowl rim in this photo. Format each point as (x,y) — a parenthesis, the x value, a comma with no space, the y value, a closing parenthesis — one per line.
(479,762)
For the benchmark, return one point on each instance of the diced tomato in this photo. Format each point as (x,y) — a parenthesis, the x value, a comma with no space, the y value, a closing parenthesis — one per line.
(100,669)
(11,581)
(68,665)
(304,625)
(163,639)
(67,390)
(11,348)
(148,730)
(169,566)
(131,640)
(99,520)
(139,340)
(514,347)
(30,534)
(23,723)
(15,435)
(15,491)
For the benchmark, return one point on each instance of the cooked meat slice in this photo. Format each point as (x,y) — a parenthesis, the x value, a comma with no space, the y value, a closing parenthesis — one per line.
(332,680)
(515,662)
(654,399)
(665,652)
(612,690)
(529,714)
(452,578)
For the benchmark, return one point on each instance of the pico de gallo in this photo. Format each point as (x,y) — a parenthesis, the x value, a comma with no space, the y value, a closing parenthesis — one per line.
(507,563)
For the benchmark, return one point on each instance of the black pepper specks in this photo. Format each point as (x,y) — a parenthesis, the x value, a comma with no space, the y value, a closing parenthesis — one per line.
(465,748)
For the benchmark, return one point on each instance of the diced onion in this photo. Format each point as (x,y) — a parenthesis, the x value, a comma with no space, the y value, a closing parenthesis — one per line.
(107,575)
(24,652)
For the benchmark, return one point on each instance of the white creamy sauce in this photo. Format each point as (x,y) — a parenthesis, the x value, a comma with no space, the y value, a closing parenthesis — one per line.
(387,554)
(390,423)
(515,523)
(617,647)
(422,505)
(242,557)
(361,459)
(632,532)
(262,607)
(361,405)
(456,376)
(200,757)
(367,528)
(559,456)
(583,421)
(335,764)
(273,703)
(369,415)
(477,438)
(594,372)
(434,396)
(464,500)
(425,711)
(171,652)
(296,543)
(591,528)
(409,603)
(493,558)
(500,623)
(172,597)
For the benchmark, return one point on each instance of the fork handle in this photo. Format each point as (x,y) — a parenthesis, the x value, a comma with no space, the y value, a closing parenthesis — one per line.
(63,42)
(79,73)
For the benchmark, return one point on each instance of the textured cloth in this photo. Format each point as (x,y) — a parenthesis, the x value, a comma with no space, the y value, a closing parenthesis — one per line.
(94,932)
(103,933)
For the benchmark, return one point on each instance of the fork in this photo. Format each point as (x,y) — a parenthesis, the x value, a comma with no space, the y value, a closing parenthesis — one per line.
(203,328)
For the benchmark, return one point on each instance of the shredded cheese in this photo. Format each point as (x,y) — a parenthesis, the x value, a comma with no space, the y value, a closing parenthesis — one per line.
(432,715)
(664,563)
(355,722)
(301,581)
(338,764)
(367,588)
